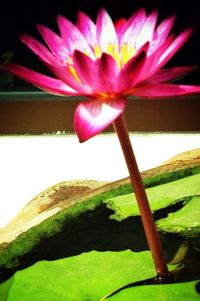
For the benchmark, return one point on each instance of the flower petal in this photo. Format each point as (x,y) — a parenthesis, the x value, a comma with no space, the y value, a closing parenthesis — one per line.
(163,90)
(72,36)
(131,72)
(108,71)
(106,34)
(120,26)
(133,27)
(147,31)
(93,116)
(54,42)
(100,74)
(161,33)
(87,28)
(88,72)
(46,83)
(39,49)
(174,47)
(163,54)
(171,74)
(164,28)
(151,64)
(54,65)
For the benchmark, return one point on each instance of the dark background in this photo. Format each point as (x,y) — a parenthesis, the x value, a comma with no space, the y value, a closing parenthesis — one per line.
(21,16)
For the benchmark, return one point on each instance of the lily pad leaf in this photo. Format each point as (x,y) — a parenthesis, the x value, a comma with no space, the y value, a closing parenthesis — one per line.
(160,197)
(5,288)
(89,276)
(164,292)
(185,222)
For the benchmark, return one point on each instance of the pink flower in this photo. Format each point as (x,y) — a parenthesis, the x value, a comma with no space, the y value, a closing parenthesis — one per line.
(107,62)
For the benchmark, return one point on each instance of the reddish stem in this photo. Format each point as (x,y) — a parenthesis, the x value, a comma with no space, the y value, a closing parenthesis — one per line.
(145,210)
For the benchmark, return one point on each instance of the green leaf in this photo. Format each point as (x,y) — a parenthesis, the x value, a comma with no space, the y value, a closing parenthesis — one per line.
(5,288)
(89,276)
(162,292)
(185,222)
(93,276)
(160,197)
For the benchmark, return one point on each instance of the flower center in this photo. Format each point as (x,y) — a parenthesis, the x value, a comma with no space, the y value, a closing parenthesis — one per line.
(97,51)
(121,56)
(127,51)
(113,50)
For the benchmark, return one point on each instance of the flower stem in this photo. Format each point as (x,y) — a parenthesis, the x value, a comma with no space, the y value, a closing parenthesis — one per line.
(144,207)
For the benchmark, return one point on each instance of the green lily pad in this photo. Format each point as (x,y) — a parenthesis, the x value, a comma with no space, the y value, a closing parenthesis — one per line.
(89,276)
(5,288)
(160,197)
(185,222)
(94,276)
(163,292)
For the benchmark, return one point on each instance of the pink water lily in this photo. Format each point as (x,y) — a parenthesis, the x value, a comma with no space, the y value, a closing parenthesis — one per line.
(107,62)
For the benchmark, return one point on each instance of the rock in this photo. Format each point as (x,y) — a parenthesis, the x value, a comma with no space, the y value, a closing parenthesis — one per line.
(44,205)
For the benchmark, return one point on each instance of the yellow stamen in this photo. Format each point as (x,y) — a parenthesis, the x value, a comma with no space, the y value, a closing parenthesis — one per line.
(122,56)
(97,51)
(72,70)
(127,51)
(112,49)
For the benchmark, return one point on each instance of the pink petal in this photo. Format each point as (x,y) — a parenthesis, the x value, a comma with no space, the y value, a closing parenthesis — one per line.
(40,50)
(151,64)
(100,74)
(106,34)
(163,54)
(164,28)
(54,42)
(131,72)
(170,74)
(163,90)
(120,27)
(72,36)
(87,28)
(147,31)
(162,32)
(41,81)
(88,72)
(174,47)
(93,116)
(120,24)
(55,66)
(108,71)
(133,27)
